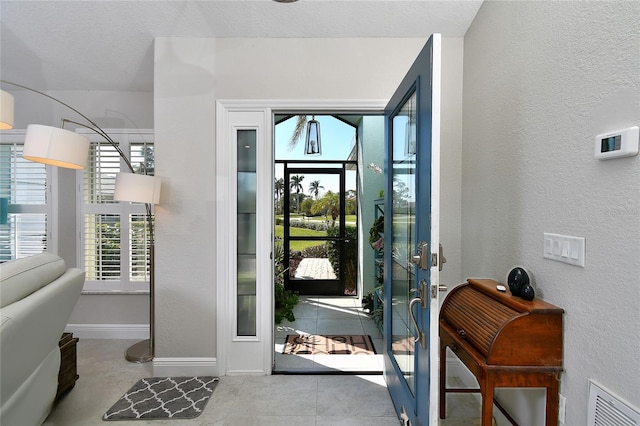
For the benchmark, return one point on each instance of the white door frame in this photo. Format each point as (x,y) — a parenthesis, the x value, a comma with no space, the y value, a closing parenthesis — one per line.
(254,355)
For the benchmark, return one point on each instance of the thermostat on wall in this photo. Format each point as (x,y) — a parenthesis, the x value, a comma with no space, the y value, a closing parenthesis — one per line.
(621,143)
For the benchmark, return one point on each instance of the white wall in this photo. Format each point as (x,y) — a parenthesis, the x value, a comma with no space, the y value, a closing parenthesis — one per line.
(541,79)
(451,161)
(190,75)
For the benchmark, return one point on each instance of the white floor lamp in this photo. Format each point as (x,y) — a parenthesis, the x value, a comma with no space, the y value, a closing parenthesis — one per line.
(64,148)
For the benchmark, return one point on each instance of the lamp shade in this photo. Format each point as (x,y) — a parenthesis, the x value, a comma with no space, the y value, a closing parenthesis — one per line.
(137,188)
(55,146)
(6,110)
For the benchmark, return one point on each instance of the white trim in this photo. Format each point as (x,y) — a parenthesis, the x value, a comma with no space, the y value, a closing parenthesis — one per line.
(167,367)
(109,331)
(53,226)
(226,338)
(243,354)
(222,255)
(319,105)
(434,309)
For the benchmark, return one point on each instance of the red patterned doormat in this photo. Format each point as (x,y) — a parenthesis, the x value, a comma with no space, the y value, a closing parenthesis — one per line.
(316,344)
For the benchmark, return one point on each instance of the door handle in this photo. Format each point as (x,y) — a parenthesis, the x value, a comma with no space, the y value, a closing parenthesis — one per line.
(421,337)
(422,299)
(420,259)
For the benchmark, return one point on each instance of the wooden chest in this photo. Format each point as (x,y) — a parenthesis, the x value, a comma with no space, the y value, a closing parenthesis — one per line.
(68,373)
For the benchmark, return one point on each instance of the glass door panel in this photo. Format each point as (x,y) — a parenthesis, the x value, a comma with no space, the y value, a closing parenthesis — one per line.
(403,239)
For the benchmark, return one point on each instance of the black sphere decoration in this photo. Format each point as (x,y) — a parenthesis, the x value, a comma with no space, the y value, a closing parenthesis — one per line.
(514,286)
(527,292)
(517,279)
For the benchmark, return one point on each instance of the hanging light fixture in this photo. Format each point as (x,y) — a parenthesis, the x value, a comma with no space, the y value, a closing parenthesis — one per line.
(312,144)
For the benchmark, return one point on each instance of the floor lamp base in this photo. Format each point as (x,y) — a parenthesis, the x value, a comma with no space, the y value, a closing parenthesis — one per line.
(140,352)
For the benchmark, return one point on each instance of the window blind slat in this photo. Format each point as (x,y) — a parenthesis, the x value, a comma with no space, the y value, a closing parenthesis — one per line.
(24,185)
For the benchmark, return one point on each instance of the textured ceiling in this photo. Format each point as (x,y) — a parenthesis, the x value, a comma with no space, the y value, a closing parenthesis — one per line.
(108,45)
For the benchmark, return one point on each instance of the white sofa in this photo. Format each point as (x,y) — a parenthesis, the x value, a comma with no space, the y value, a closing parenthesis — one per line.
(37,295)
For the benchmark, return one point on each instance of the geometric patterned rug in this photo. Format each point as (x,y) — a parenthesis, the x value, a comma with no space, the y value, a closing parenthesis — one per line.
(316,344)
(164,398)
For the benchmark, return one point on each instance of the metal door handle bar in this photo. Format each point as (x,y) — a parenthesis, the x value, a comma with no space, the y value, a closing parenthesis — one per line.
(421,337)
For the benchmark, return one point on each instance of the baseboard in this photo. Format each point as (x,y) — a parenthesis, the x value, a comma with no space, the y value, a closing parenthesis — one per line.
(167,367)
(109,331)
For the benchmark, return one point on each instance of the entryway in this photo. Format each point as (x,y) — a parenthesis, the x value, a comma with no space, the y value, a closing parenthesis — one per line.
(322,239)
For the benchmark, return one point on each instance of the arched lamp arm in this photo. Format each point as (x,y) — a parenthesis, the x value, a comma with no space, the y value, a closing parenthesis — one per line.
(102,133)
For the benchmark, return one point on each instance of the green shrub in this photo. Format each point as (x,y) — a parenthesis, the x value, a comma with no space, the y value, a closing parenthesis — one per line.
(368,305)
(285,300)
(314,226)
(319,251)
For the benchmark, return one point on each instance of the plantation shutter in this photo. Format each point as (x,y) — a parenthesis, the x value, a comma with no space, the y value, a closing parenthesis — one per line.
(24,211)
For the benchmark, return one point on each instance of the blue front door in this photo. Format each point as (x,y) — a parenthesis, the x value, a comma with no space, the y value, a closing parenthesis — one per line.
(412,258)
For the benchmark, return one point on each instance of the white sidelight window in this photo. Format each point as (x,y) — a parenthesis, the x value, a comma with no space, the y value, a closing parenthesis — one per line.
(244,217)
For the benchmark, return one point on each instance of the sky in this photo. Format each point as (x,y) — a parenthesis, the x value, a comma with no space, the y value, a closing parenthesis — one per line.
(337,140)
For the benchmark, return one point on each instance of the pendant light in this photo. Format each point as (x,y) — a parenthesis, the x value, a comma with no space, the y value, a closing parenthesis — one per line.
(312,144)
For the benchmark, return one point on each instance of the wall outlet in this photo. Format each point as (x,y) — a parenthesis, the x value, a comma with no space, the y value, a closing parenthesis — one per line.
(562,411)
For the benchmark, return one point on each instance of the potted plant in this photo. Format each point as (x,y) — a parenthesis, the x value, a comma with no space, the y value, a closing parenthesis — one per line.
(376,234)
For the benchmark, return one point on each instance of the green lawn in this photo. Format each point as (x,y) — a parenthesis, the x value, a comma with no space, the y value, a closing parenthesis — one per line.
(300,232)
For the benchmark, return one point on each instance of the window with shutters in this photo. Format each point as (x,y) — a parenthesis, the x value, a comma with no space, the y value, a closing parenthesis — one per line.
(114,243)
(25,201)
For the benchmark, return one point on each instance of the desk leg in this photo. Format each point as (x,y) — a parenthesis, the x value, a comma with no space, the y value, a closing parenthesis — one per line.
(443,381)
(552,401)
(487,404)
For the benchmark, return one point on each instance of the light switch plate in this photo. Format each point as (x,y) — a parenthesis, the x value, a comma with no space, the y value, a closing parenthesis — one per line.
(564,248)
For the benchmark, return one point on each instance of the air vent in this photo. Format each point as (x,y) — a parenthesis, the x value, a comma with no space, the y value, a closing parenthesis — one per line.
(608,410)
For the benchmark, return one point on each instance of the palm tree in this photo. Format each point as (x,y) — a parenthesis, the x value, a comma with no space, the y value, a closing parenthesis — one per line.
(279,189)
(298,131)
(296,185)
(314,188)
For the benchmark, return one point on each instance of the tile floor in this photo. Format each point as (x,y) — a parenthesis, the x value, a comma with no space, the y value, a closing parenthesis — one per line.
(313,400)
(238,400)
(328,315)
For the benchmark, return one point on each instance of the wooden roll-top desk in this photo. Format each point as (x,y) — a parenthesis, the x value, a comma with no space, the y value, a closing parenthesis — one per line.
(504,340)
